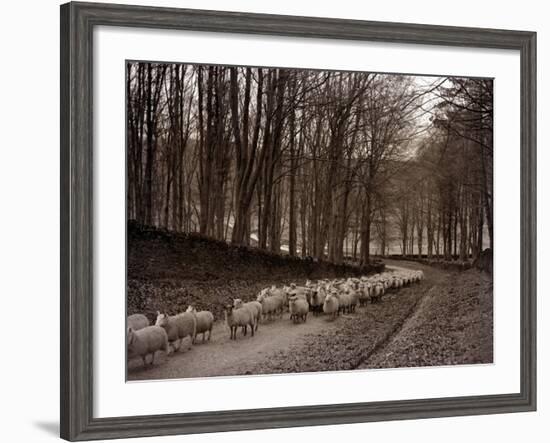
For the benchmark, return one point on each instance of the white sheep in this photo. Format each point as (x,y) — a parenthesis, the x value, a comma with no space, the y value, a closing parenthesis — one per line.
(178,327)
(354,299)
(267,306)
(271,304)
(353,295)
(235,317)
(377,290)
(298,308)
(364,293)
(255,308)
(137,322)
(397,283)
(146,341)
(345,301)
(331,306)
(204,321)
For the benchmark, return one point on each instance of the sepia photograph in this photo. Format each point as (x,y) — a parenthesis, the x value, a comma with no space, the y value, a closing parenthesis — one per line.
(286,220)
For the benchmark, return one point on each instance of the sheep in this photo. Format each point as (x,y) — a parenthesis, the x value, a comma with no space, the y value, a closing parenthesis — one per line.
(303,292)
(313,299)
(178,327)
(344,301)
(137,322)
(271,304)
(353,283)
(298,308)
(352,293)
(331,305)
(235,317)
(354,299)
(268,305)
(204,321)
(377,292)
(255,308)
(317,300)
(147,341)
(364,293)
(397,283)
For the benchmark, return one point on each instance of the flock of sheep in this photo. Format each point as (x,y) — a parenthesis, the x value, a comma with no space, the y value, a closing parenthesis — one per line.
(328,297)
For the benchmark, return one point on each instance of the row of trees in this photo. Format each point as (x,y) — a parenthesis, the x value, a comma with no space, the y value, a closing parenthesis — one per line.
(448,207)
(326,164)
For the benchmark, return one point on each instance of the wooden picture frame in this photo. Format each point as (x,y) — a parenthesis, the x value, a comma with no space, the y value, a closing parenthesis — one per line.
(77,23)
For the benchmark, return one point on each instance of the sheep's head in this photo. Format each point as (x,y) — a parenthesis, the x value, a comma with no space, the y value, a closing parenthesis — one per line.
(191,308)
(237,303)
(228,309)
(162,319)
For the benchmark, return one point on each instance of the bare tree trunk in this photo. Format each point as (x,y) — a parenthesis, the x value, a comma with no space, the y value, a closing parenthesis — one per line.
(150,147)
(292,184)
(365,230)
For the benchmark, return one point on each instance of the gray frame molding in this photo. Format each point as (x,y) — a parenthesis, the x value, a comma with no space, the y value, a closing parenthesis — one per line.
(77,23)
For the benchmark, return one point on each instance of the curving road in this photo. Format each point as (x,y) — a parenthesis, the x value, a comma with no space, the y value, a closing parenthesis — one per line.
(379,335)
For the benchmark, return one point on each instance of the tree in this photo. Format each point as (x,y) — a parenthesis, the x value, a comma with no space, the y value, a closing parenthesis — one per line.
(329,164)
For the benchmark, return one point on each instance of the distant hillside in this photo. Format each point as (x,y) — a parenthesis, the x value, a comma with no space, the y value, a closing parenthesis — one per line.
(169,271)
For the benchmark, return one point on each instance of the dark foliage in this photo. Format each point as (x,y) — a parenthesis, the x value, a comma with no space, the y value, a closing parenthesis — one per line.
(168,271)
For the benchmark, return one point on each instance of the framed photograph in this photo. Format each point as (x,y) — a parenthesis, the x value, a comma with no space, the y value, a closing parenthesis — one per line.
(274,221)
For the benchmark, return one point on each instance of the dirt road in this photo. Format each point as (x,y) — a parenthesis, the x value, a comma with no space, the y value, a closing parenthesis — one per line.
(378,335)
(222,356)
